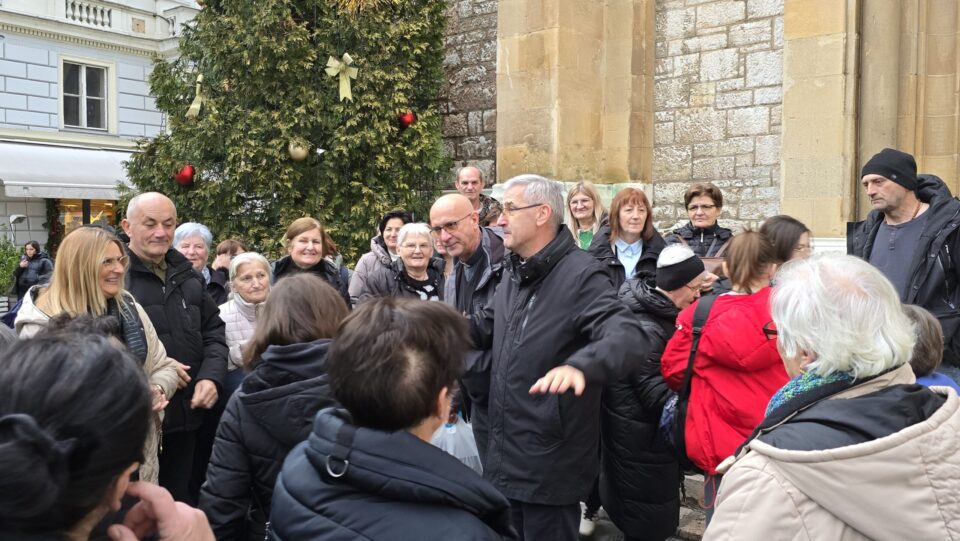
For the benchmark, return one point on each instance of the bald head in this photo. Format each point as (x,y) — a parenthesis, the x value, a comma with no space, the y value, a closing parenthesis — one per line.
(470,184)
(150,223)
(459,223)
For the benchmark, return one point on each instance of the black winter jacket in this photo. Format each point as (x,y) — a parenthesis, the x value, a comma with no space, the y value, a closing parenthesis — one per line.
(935,269)
(389,281)
(601,248)
(703,242)
(386,486)
(219,286)
(39,270)
(189,326)
(639,475)
(556,308)
(336,276)
(271,413)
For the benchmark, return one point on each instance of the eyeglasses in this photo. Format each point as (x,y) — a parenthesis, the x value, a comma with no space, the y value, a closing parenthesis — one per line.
(510,208)
(695,289)
(423,247)
(449,227)
(770,331)
(111,261)
(695,208)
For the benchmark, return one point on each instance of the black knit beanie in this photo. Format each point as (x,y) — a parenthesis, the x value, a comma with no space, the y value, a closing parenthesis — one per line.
(676,268)
(895,165)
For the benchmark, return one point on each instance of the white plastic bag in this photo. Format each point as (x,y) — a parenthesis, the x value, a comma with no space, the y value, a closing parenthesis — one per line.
(457,439)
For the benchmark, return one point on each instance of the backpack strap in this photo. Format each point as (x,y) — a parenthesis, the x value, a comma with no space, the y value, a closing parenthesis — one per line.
(700,316)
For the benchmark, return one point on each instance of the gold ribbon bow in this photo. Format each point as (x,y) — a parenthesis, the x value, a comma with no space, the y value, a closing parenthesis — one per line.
(341,68)
(194,111)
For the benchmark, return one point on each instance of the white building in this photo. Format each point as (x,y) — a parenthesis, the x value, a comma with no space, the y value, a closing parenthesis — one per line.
(74,98)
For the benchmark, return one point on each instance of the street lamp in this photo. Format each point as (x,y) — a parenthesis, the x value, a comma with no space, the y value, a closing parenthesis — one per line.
(14,220)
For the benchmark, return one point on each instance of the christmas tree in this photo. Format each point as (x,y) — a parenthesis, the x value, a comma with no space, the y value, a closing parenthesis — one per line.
(290,108)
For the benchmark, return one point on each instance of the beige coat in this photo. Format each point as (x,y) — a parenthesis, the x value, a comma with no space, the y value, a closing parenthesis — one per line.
(159,368)
(903,486)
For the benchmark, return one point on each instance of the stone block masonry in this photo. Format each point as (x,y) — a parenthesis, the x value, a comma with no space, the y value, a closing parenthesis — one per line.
(718,89)
(469,94)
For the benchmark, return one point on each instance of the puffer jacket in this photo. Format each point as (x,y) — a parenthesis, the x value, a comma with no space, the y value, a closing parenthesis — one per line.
(377,258)
(219,285)
(935,268)
(389,281)
(639,474)
(240,319)
(271,413)
(38,271)
(601,249)
(188,324)
(555,308)
(395,486)
(736,371)
(159,369)
(880,460)
(704,242)
(335,275)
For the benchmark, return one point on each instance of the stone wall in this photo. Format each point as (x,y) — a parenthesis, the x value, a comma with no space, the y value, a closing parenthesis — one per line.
(717,106)
(469,97)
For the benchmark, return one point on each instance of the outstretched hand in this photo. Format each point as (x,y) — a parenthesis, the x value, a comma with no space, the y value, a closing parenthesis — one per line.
(156,514)
(559,380)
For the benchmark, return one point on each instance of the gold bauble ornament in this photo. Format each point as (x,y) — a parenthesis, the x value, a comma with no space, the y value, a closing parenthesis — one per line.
(298,152)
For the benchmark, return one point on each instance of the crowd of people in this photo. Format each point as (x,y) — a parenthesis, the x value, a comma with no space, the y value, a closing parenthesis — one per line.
(154,393)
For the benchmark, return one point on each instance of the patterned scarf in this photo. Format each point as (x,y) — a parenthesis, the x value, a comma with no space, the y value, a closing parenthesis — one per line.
(802,385)
(131,328)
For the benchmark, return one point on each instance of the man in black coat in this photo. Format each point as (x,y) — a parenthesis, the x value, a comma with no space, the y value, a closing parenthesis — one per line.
(911,237)
(556,325)
(188,324)
(477,267)
(369,471)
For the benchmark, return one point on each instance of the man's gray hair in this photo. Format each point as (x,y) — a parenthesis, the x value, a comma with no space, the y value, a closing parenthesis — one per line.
(538,189)
(844,313)
(248,257)
(415,229)
(190,229)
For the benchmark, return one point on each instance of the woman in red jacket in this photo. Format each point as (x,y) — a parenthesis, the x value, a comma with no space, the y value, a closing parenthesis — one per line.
(737,368)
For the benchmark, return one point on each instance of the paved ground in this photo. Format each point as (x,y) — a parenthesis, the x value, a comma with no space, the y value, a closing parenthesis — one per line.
(691,517)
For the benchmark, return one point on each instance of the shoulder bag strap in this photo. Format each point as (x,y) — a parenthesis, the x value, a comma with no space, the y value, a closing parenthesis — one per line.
(723,248)
(700,316)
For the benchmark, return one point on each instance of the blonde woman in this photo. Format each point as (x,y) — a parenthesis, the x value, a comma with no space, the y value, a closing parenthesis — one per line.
(586,212)
(88,279)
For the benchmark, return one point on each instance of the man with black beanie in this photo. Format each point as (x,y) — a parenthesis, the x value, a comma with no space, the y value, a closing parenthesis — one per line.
(911,236)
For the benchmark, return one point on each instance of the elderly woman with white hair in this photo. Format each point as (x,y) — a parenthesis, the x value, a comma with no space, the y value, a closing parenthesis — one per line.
(250,284)
(193,240)
(851,447)
(417,274)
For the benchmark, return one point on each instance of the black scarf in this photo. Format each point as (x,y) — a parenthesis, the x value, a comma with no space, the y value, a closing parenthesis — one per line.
(131,328)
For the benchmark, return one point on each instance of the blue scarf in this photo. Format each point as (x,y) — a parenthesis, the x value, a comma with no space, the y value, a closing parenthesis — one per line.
(803,384)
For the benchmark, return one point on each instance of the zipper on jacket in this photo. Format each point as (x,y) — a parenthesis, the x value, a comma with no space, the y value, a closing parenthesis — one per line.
(526,317)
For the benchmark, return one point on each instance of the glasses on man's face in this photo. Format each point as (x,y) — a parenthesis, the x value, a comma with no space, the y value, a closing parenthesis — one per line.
(108,262)
(510,208)
(695,289)
(770,330)
(449,227)
(698,208)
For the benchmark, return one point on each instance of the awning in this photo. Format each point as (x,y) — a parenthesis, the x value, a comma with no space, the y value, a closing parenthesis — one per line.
(53,171)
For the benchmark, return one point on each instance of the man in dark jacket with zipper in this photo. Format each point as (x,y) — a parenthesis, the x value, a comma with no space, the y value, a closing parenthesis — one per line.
(556,326)
(477,266)
(911,236)
(188,324)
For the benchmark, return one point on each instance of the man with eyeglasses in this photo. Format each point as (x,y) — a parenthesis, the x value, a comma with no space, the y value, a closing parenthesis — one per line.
(189,326)
(470,184)
(477,266)
(556,326)
(911,237)
(702,233)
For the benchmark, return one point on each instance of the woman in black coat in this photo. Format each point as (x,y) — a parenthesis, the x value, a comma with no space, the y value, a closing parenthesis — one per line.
(311,250)
(628,230)
(416,274)
(639,473)
(274,408)
(35,267)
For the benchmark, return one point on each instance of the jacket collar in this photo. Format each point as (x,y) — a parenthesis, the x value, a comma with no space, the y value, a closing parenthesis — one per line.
(540,264)
(176,263)
(246,309)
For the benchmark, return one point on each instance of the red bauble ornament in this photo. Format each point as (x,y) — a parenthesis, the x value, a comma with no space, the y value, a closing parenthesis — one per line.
(184,177)
(407,119)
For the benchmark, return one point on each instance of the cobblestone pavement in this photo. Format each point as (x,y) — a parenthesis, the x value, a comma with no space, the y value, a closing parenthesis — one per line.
(692,518)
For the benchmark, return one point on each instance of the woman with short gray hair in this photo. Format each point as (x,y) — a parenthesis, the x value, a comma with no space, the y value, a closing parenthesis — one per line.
(250,285)
(850,447)
(416,274)
(193,241)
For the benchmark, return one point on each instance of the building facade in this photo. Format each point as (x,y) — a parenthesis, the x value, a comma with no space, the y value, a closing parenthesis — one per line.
(779,102)
(74,98)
